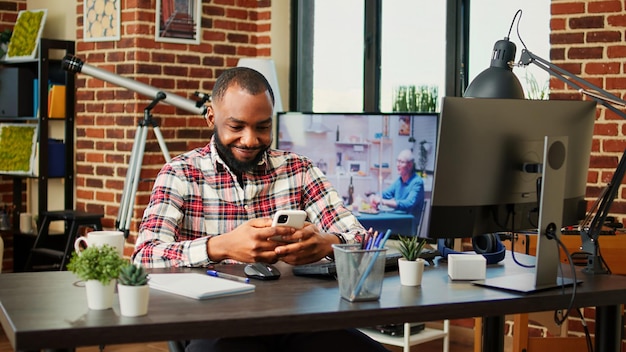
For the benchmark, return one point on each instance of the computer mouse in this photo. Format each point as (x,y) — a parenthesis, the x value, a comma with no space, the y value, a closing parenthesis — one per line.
(261,271)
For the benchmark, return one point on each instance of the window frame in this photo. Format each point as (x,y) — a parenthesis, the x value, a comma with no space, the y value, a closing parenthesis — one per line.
(301,73)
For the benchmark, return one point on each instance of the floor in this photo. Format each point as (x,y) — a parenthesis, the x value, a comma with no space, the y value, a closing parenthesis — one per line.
(434,346)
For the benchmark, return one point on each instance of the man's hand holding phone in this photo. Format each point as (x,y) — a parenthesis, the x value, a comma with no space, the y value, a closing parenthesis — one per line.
(290,218)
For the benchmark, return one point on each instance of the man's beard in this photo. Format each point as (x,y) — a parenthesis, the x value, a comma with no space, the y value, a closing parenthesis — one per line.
(232,162)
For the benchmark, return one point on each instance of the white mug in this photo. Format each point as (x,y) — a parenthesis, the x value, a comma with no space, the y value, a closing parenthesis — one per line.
(114,239)
(26,223)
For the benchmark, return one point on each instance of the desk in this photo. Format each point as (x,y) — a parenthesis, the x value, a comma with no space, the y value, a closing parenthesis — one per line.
(45,310)
(399,222)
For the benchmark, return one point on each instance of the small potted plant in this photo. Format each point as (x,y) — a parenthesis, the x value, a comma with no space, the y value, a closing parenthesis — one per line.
(99,267)
(411,266)
(133,290)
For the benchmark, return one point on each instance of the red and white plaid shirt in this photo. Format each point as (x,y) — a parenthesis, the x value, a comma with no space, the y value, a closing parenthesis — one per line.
(195,197)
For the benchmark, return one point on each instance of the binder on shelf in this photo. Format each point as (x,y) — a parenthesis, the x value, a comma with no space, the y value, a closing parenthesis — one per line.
(56,101)
(36,97)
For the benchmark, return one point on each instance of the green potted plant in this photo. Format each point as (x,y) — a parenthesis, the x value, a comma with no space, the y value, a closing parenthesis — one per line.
(411,266)
(99,267)
(133,289)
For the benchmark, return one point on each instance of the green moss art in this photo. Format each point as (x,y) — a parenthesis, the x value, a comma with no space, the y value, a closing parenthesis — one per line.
(26,33)
(16,148)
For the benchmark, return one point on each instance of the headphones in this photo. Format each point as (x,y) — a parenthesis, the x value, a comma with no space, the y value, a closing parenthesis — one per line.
(489,245)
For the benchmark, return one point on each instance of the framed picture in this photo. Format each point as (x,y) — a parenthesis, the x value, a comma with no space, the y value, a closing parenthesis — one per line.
(404,129)
(178,21)
(17,148)
(26,34)
(101,20)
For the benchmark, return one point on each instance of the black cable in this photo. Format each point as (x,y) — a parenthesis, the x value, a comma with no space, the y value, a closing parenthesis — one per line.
(606,265)
(519,12)
(586,329)
(517,28)
(560,318)
(512,211)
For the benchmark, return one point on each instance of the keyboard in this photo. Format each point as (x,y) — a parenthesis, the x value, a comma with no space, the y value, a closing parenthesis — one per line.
(328,269)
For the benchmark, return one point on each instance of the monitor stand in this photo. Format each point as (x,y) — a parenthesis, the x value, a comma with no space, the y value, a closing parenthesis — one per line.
(547,263)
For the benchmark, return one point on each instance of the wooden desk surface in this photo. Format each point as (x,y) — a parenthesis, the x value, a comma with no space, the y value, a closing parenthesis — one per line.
(46,309)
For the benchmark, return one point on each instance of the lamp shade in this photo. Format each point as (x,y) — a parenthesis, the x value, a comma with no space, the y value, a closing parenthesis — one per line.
(268,69)
(498,81)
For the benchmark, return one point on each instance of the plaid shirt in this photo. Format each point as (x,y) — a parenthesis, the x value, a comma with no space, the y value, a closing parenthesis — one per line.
(195,197)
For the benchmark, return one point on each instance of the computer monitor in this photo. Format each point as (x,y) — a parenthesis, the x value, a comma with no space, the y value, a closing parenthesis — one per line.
(489,165)
(360,149)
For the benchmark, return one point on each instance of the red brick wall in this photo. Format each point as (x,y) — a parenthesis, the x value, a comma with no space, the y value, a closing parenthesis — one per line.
(107,115)
(8,13)
(587,39)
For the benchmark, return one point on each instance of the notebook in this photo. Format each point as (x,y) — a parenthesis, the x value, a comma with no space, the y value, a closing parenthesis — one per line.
(198,286)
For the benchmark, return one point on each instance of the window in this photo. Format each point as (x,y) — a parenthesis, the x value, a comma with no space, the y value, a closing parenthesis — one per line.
(338,56)
(534,30)
(350,55)
(413,46)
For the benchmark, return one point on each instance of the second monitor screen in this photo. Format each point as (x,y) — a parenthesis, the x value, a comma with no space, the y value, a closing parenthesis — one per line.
(363,156)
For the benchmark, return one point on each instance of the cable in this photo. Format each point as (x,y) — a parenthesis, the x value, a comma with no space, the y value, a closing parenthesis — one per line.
(586,330)
(513,21)
(606,265)
(513,244)
(559,317)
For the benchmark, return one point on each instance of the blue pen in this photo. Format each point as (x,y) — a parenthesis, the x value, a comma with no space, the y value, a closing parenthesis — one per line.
(382,242)
(227,276)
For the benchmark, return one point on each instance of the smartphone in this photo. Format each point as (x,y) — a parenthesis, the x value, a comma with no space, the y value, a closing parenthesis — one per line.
(291,218)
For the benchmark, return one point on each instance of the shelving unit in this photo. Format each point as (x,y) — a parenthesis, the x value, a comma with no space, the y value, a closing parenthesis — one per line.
(46,67)
(408,340)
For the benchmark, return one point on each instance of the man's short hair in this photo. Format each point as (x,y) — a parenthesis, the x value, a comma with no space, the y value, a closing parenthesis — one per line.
(406,155)
(249,79)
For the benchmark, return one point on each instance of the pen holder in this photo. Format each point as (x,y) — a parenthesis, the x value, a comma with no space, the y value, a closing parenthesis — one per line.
(360,272)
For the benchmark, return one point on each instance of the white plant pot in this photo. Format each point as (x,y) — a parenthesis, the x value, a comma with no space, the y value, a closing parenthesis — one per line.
(100,296)
(411,271)
(133,300)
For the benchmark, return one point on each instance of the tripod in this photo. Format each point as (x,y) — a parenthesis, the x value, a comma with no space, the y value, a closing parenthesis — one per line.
(131,181)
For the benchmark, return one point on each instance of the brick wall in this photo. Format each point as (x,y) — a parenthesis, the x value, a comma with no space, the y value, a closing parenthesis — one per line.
(587,39)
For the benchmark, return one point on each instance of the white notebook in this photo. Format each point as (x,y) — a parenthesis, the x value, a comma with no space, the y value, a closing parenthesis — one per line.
(197,286)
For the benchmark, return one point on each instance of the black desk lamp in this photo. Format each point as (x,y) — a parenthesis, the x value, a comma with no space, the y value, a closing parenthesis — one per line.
(498,81)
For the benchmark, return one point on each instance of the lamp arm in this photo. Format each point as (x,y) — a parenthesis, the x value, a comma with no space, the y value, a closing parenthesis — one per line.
(602,206)
(598,94)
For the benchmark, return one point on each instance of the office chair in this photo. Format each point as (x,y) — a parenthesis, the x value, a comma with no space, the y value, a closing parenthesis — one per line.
(176,346)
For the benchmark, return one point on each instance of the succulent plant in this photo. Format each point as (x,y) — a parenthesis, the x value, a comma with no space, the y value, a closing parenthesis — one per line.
(133,275)
(411,246)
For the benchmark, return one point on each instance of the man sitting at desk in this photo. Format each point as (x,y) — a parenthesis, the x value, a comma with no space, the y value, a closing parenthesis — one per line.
(214,204)
(407,192)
